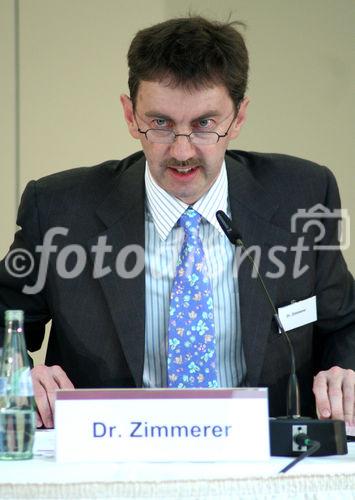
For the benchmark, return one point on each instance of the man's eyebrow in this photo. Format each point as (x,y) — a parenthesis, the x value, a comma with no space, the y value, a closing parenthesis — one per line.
(156,114)
(206,114)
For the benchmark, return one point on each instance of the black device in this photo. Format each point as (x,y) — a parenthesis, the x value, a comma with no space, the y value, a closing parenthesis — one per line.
(293,434)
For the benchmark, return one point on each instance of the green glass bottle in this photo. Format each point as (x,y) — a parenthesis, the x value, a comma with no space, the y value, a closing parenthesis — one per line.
(17,404)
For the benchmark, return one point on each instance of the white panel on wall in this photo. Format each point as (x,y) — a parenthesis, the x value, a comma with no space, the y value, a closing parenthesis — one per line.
(73,70)
(7,125)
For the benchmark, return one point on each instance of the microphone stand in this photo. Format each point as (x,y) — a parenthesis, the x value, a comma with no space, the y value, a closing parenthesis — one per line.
(293,392)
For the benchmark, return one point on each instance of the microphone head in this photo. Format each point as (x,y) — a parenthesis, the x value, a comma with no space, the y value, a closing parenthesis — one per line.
(226,225)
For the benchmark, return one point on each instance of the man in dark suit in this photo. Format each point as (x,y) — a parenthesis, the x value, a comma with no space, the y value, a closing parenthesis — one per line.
(98,235)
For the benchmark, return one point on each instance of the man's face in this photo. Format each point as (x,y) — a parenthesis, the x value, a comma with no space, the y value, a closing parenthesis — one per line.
(183,169)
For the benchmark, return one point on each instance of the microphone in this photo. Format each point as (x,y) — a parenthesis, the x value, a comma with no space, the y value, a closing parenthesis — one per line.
(293,393)
(226,225)
(289,434)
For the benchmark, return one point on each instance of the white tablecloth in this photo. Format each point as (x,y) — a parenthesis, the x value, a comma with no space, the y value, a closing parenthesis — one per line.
(321,478)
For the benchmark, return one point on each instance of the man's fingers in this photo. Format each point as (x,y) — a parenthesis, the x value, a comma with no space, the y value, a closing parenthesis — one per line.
(320,390)
(334,391)
(39,421)
(46,380)
(61,377)
(349,397)
(58,380)
(43,405)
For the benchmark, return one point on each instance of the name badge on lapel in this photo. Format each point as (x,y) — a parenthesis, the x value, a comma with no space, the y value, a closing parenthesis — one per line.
(298,313)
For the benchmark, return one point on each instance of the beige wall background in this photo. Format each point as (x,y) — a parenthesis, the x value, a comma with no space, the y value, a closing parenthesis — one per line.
(63,67)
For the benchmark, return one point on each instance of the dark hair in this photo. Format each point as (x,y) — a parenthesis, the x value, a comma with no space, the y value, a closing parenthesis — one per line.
(192,52)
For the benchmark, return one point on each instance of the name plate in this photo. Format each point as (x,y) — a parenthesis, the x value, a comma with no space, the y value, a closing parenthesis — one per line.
(161,425)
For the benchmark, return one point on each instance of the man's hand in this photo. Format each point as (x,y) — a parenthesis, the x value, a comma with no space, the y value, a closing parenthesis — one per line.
(46,380)
(334,390)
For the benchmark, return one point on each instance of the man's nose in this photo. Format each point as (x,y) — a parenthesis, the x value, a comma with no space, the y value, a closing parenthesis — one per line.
(181,148)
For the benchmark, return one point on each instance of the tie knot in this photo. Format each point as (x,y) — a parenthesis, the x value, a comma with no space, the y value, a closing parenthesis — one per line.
(190,221)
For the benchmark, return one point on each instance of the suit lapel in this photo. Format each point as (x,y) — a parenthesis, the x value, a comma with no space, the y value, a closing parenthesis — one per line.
(122,212)
(252,209)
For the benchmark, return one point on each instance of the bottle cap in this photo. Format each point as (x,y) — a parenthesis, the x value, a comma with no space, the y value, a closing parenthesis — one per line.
(14,315)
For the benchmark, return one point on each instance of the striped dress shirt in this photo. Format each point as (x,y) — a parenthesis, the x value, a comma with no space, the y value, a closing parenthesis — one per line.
(163,241)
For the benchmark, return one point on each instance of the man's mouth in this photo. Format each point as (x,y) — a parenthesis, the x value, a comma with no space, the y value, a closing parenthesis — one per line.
(183,172)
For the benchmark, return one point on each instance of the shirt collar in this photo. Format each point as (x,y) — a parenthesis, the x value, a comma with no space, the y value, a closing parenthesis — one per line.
(166,210)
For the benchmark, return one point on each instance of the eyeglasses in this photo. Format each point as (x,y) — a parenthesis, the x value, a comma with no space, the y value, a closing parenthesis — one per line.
(164,136)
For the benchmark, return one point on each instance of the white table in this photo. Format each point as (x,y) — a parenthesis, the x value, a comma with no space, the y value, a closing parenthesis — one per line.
(323,478)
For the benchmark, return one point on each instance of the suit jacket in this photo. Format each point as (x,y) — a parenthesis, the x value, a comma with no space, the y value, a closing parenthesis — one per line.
(97,333)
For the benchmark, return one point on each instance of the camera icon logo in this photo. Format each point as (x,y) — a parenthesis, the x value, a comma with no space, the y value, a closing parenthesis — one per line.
(317,216)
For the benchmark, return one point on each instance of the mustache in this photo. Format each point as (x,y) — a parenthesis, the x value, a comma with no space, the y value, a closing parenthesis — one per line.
(173,162)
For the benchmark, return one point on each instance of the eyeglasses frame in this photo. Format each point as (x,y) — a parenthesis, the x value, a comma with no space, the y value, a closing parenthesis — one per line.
(219,136)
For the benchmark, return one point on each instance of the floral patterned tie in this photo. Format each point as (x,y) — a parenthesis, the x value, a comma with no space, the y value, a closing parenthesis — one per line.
(191,344)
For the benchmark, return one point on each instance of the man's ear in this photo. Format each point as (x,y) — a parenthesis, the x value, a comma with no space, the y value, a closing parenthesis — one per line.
(127,106)
(240,120)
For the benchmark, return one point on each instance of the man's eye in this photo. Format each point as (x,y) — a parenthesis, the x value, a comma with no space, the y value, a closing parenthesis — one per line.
(204,123)
(161,123)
